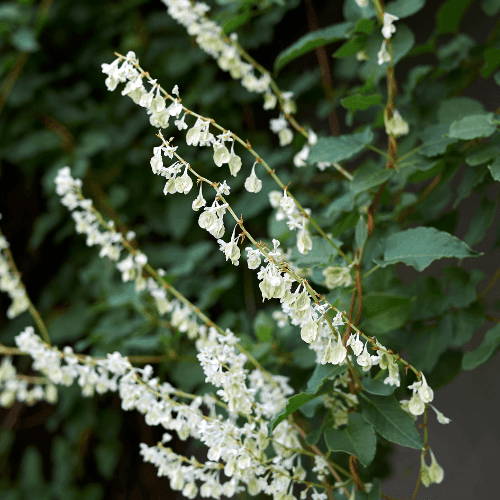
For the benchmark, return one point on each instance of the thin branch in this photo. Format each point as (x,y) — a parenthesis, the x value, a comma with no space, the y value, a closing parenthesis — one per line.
(326,74)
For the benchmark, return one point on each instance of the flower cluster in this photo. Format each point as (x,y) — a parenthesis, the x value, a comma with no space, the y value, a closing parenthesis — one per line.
(432,474)
(11,284)
(295,220)
(13,388)
(158,111)
(237,450)
(226,51)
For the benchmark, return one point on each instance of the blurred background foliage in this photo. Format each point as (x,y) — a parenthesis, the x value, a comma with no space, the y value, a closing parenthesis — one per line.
(56,111)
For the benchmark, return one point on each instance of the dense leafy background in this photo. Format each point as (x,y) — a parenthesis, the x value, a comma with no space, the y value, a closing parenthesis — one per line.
(59,112)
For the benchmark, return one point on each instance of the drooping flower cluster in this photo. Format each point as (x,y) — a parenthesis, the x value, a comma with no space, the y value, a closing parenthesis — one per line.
(237,450)
(112,243)
(13,388)
(11,284)
(226,51)
(124,70)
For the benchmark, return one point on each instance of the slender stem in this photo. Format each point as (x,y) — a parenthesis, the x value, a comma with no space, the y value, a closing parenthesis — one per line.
(489,286)
(326,74)
(419,478)
(32,309)
(342,170)
(318,452)
(426,192)
(373,269)
(255,155)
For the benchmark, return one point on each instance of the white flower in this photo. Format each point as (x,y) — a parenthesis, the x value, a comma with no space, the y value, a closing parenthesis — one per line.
(234,162)
(383,55)
(388,28)
(299,160)
(362,55)
(252,183)
(425,393)
(355,343)
(285,136)
(199,201)
(253,256)
(287,203)
(396,125)
(309,331)
(270,100)
(365,360)
(440,417)
(231,250)
(436,472)
(184,183)
(337,276)
(416,406)
(335,355)
(304,241)
(221,154)
(181,123)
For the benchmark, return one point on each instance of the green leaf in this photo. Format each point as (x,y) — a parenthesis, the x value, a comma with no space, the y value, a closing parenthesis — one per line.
(72,324)
(368,176)
(358,439)
(322,373)
(360,233)
(293,404)
(107,457)
(482,219)
(361,102)
(472,126)
(353,12)
(455,51)
(312,40)
(384,312)
(322,253)
(364,26)
(434,141)
(494,168)
(24,40)
(455,108)
(490,7)
(449,15)
(482,155)
(467,321)
(339,148)
(263,326)
(392,422)
(427,343)
(484,352)
(344,203)
(461,286)
(235,22)
(404,8)
(491,61)
(472,177)
(377,387)
(420,246)
(352,46)
(449,365)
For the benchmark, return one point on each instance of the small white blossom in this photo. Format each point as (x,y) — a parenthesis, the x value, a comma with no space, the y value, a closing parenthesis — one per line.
(388,28)
(383,55)
(396,126)
(252,183)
